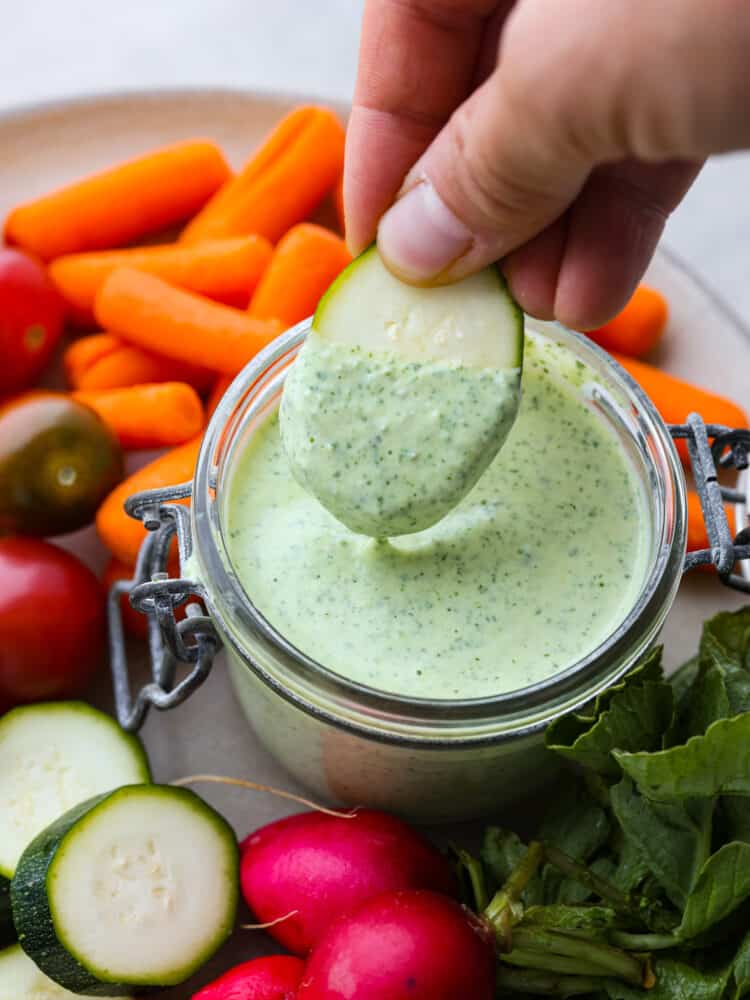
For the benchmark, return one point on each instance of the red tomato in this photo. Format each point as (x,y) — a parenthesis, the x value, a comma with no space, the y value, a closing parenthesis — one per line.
(31,319)
(52,622)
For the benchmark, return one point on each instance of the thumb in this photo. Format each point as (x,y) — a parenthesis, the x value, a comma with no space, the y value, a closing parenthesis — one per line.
(497,174)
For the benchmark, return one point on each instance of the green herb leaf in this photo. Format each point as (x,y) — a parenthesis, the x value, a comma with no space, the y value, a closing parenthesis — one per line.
(735,812)
(722,885)
(576,825)
(674,839)
(674,981)
(635,720)
(708,702)
(726,640)
(713,764)
(632,868)
(502,851)
(682,680)
(741,969)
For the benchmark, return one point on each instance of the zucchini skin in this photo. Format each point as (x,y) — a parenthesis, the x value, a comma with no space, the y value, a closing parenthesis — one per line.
(32,915)
(7,928)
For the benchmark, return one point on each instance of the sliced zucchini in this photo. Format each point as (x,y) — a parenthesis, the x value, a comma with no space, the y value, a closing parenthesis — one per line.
(475,322)
(53,756)
(134,888)
(401,396)
(21,979)
(7,929)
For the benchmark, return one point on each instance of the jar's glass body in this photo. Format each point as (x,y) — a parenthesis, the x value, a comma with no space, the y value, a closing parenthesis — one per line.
(429,760)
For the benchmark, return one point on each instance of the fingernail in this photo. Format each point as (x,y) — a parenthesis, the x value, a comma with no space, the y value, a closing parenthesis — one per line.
(419,236)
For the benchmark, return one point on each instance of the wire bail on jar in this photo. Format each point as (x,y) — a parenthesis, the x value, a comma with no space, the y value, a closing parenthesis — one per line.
(181,653)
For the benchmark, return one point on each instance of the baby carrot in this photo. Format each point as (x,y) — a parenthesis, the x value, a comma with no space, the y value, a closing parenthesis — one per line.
(675,399)
(226,270)
(338,201)
(148,312)
(219,388)
(119,205)
(123,534)
(638,328)
(148,416)
(697,536)
(85,352)
(304,264)
(103,361)
(284,181)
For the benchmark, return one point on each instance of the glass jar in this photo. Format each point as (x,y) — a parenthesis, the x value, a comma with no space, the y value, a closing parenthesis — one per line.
(429,760)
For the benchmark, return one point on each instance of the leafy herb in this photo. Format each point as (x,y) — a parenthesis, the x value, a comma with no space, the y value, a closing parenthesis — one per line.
(713,764)
(673,839)
(674,981)
(633,716)
(648,852)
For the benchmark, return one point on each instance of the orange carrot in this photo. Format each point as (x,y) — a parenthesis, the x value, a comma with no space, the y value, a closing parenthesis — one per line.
(119,205)
(148,416)
(109,363)
(338,201)
(304,264)
(122,534)
(284,181)
(220,387)
(226,270)
(85,352)
(675,399)
(697,536)
(146,311)
(638,328)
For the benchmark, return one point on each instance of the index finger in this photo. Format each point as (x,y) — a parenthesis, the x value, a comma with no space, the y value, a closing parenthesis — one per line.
(416,65)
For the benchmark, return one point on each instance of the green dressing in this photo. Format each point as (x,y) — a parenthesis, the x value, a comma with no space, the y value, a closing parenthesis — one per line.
(389,445)
(533,570)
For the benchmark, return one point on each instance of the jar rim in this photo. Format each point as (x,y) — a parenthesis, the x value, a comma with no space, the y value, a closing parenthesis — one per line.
(321,691)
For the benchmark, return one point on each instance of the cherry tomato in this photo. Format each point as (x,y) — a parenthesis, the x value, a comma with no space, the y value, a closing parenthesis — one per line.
(58,461)
(52,622)
(31,319)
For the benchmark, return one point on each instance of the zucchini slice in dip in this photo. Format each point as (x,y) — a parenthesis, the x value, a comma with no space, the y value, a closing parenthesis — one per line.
(401,396)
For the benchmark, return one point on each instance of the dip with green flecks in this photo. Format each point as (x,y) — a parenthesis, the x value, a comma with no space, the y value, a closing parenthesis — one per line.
(533,570)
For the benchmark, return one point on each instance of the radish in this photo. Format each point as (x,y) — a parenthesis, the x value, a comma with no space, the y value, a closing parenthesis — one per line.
(272,978)
(412,945)
(307,870)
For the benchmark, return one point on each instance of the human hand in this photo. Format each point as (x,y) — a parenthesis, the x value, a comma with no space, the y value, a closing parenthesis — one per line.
(554,136)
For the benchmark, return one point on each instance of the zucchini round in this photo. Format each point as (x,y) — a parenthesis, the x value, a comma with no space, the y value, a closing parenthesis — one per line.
(401,397)
(20,979)
(134,888)
(55,755)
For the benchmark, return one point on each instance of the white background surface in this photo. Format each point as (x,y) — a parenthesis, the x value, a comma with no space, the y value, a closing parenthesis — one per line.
(57,48)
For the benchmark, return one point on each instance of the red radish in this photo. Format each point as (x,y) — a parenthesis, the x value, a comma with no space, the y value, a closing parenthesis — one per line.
(274,978)
(317,867)
(412,945)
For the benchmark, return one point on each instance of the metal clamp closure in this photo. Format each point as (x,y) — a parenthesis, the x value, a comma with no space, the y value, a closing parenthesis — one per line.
(192,642)
(710,447)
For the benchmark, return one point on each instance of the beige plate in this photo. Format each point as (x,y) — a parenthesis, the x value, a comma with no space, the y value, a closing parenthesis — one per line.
(43,147)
